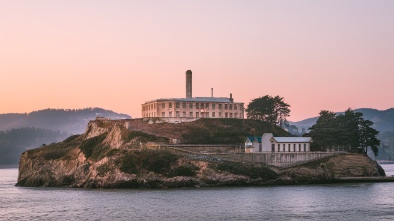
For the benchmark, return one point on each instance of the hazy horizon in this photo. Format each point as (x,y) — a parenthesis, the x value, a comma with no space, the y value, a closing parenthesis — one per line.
(306,118)
(116,55)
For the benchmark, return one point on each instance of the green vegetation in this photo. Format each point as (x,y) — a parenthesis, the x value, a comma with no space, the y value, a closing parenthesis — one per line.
(158,161)
(141,137)
(227,131)
(187,170)
(253,171)
(103,169)
(348,130)
(269,109)
(93,147)
(55,150)
(112,152)
(71,138)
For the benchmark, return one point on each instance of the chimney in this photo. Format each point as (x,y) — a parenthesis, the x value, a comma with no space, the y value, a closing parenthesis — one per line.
(231,97)
(211,92)
(189,84)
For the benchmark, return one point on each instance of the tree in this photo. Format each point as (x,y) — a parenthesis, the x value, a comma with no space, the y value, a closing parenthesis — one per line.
(325,132)
(368,137)
(270,109)
(348,130)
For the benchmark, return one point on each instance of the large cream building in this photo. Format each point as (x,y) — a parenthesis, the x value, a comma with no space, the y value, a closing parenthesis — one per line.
(193,107)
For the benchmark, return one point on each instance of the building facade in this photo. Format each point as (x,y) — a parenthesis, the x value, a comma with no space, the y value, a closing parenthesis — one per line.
(269,143)
(193,107)
(198,107)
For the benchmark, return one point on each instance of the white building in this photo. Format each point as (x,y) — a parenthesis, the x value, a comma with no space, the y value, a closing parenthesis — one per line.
(269,143)
(253,144)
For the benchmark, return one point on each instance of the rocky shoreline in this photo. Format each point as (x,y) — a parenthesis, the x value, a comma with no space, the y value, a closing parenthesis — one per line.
(108,155)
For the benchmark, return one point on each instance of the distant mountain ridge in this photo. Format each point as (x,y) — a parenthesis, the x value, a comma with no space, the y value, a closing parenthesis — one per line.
(15,141)
(20,132)
(71,121)
(383,119)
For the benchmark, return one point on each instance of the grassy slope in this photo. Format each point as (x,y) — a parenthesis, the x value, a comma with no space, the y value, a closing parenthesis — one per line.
(210,131)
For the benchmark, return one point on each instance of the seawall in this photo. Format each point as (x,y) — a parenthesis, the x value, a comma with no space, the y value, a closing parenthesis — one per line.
(277,159)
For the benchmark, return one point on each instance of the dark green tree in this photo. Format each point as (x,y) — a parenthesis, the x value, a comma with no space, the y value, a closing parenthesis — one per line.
(270,109)
(368,136)
(325,132)
(348,130)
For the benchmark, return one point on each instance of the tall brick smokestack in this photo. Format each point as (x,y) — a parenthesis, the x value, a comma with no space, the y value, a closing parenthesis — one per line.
(189,84)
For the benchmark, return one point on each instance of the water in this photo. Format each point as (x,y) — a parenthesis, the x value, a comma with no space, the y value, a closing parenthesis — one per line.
(362,201)
(389,169)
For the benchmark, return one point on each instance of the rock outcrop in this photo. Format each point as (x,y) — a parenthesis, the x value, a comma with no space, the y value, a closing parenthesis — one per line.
(108,155)
(330,169)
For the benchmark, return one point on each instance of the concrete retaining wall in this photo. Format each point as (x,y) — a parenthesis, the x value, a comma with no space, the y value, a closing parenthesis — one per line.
(275,159)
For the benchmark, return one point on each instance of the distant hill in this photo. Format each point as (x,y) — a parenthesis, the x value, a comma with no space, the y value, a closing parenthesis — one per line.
(383,119)
(71,121)
(20,132)
(14,142)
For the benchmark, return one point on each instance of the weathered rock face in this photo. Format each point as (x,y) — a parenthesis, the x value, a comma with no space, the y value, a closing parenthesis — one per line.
(108,155)
(331,168)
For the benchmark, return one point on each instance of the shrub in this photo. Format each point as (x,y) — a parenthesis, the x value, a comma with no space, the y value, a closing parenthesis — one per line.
(250,170)
(157,161)
(188,170)
(112,152)
(71,138)
(142,137)
(52,151)
(227,130)
(53,155)
(128,165)
(88,145)
(198,135)
(103,169)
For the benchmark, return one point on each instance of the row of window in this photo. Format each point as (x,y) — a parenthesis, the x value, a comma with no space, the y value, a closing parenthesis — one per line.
(200,114)
(196,114)
(192,105)
(289,148)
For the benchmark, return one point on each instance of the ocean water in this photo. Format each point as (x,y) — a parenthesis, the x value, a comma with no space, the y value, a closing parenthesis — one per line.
(389,169)
(361,201)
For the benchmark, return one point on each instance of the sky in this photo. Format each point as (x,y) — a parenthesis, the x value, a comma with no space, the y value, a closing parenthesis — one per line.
(318,55)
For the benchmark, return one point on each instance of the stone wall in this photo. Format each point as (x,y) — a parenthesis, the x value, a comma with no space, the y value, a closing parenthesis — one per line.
(276,159)
(173,120)
(233,153)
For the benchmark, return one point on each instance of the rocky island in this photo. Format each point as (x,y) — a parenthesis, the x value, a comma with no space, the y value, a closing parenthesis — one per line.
(134,153)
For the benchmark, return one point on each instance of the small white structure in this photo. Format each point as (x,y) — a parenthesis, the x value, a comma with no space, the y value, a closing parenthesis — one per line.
(253,144)
(269,143)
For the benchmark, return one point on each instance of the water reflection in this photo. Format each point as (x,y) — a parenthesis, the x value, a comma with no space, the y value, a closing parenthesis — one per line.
(315,202)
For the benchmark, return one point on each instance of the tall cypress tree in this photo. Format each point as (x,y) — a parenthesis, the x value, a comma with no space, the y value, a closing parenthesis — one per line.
(348,130)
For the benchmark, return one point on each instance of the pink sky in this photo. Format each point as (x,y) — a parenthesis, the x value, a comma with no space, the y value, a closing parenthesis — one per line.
(116,55)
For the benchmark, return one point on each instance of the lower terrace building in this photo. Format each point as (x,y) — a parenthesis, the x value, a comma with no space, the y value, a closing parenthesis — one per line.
(269,143)
(193,107)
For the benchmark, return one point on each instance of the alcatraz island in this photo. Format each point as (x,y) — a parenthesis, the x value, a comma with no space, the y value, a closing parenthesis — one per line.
(201,142)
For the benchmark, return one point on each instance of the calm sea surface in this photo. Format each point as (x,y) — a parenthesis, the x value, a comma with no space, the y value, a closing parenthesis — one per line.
(361,201)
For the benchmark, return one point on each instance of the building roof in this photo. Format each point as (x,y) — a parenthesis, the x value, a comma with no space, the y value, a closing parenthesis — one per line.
(196,99)
(252,138)
(292,139)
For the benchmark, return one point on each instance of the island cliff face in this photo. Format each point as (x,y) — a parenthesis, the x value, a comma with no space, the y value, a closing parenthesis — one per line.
(108,155)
